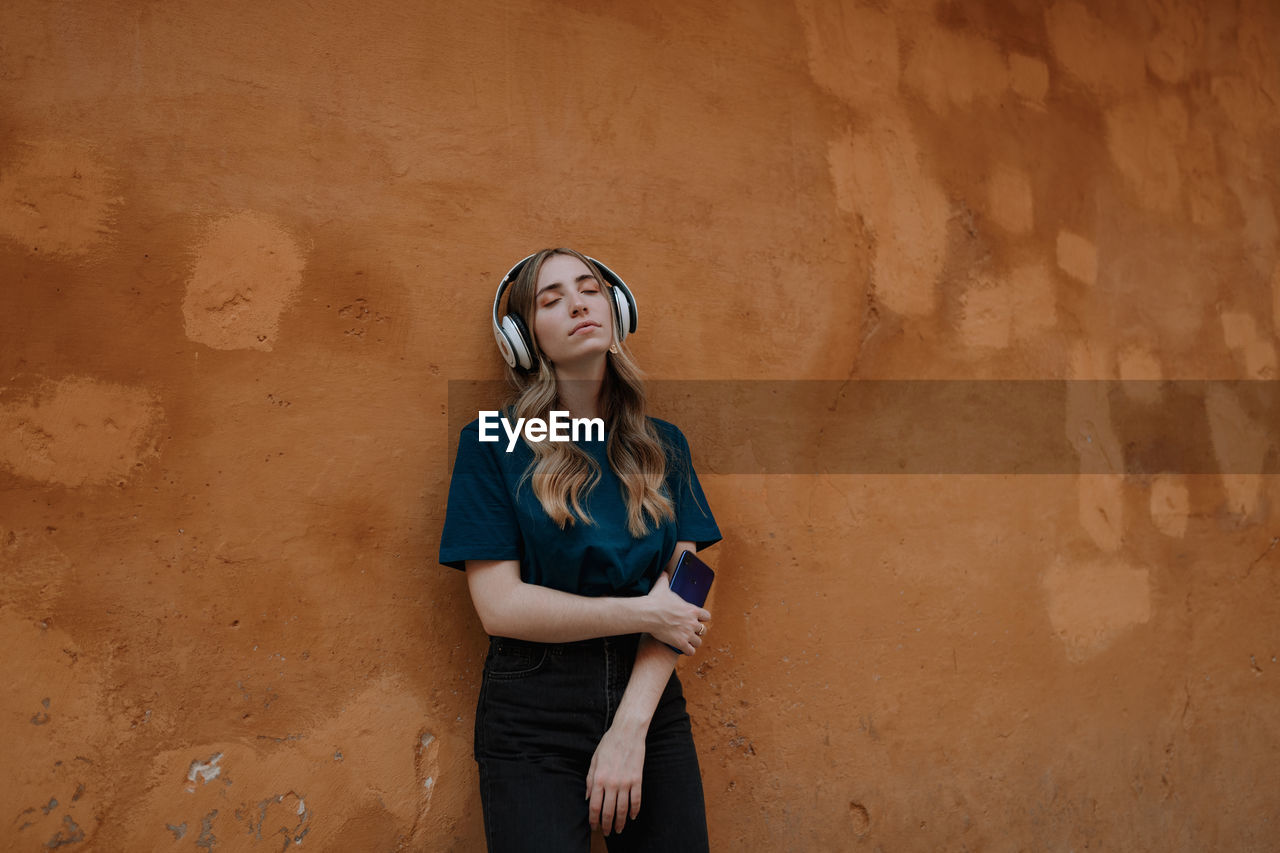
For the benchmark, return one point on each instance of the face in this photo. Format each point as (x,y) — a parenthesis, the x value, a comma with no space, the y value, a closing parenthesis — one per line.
(571,313)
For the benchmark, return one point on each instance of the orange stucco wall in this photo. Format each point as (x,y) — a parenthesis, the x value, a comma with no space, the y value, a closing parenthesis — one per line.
(244,248)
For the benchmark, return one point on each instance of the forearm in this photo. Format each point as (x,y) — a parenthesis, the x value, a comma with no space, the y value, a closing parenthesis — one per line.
(544,615)
(653,667)
(655,661)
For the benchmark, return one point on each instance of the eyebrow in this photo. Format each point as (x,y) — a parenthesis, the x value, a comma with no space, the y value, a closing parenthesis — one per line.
(579,280)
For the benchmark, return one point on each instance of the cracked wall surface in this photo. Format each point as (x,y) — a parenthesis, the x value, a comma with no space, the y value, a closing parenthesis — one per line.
(246,248)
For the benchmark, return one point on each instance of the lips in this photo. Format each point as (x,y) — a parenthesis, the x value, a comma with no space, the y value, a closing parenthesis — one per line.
(581,326)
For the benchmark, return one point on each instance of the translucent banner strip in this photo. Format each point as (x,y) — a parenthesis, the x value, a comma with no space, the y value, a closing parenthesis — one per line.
(955,426)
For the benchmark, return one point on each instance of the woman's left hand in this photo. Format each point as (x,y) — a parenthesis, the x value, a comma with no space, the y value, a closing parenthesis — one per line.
(613,782)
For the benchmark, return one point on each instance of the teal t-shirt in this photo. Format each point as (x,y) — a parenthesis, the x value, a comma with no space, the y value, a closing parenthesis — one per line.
(487,520)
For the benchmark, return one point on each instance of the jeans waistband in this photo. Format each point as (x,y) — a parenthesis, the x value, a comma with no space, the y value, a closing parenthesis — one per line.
(578,647)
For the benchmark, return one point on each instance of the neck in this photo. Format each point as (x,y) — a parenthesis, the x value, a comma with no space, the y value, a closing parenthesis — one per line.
(578,387)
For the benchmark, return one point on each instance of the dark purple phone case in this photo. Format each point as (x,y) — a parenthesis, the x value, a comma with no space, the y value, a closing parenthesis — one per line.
(691,581)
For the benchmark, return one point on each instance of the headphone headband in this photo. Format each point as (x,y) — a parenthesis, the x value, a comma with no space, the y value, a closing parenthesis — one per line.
(513,337)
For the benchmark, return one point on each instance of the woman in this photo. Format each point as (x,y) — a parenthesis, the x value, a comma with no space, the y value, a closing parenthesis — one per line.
(568,547)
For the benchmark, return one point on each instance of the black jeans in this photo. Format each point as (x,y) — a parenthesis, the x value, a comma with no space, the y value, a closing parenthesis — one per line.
(542,711)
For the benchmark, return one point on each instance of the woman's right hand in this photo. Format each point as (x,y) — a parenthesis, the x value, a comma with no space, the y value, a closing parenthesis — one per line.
(671,619)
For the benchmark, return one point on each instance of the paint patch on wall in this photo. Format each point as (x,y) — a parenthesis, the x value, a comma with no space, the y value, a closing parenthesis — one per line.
(1099,489)
(57,743)
(1029,78)
(1093,603)
(953,69)
(80,432)
(878,175)
(369,771)
(247,270)
(1088,412)
(853,50)
(1143,138)
(1078,257)
(34,569)
(1100,504)
(1101,58)
(1261,231)
(57,197)
(1139,368)
(1170,505)
(1241,445)
(1254,353)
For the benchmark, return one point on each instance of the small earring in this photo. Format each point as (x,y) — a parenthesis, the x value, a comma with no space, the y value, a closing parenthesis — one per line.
(613,348)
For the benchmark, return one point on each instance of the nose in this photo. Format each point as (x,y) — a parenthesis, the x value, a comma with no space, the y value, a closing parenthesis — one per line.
(577,303)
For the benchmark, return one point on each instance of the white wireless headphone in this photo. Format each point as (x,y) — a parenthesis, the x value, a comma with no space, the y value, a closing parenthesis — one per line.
(516,344)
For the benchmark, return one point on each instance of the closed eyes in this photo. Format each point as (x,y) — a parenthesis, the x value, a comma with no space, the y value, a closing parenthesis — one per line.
(557,299)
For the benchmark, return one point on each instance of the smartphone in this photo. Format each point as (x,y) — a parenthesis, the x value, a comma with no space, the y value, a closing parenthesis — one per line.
(691,581)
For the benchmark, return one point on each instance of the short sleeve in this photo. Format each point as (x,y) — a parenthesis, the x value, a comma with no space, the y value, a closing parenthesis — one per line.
(480,521)
(694,521)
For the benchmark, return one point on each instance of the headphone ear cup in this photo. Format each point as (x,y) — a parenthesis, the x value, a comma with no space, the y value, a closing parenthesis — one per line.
(518,339)
(625,311)
(504,345)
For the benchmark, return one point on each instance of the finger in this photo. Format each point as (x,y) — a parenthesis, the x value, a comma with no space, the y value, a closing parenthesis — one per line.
(635,801)
(606,813)
(621,820)
(591,775)
(593,814)
(704,615)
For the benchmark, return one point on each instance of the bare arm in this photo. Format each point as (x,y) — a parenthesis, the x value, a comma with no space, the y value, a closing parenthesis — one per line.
(654,665)
(613,782)
(509,607)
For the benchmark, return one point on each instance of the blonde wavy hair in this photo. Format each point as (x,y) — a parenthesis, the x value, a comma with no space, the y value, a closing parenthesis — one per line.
(562,473)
